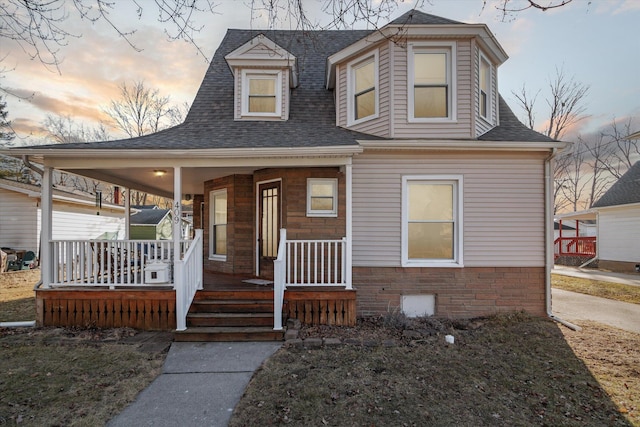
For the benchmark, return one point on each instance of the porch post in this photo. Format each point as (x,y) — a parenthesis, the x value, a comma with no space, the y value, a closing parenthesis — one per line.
(177,211)
(46,230)
(127,214)
(349,225)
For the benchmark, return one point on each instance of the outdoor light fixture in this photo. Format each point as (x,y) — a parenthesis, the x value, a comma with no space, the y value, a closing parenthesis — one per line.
(159,172)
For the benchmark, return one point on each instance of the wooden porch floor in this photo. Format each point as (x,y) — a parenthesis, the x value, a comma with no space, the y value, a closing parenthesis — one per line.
(230,282)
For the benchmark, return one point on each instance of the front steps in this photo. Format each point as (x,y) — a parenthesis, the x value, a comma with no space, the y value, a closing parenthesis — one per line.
(230,316)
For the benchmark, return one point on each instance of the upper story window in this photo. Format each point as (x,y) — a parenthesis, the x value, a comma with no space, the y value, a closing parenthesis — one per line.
(432,221)
(484,84)
(363,89)
(261,93)
(431,82)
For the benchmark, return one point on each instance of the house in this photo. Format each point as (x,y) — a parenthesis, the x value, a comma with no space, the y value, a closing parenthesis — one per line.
(151,224)
(362,172)
(75,216)
(617,215)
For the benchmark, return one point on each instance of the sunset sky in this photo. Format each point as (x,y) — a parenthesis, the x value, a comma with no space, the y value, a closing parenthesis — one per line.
(598,44)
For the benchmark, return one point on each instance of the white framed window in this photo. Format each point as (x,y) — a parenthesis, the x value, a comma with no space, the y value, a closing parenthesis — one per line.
(432,82)
(484,87)
(432,221)
(322,197)
(261,93)
(218,225)
(362,97)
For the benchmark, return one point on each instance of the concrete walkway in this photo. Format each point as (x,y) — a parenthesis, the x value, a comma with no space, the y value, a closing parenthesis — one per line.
(200,385)
(572,306)
(594,274)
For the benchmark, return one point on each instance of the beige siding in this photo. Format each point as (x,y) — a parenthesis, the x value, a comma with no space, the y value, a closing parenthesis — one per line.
(619,234)
(482,126)
(461,128)
(503,206)
(284,92)
(18,221)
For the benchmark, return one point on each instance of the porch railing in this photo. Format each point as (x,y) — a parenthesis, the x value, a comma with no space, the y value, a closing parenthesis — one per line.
(575,246)
(113,262)
(307,263)
(188,279)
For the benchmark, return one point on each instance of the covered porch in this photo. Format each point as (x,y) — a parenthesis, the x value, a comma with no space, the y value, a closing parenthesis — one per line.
(152,284)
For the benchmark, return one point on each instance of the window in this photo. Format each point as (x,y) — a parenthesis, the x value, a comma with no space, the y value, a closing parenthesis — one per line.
(484,76)
(432,87)
(431,226)
(218,221)
(322,197)
(261,93)
(363,94)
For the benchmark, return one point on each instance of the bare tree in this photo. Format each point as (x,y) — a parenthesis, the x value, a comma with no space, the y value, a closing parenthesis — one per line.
(139,110)
(623,153)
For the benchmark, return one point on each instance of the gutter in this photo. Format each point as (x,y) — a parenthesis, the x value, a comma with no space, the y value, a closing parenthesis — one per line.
(548,210)
(27,163)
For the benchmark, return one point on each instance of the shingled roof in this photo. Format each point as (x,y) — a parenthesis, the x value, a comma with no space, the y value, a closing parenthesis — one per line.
(210,122)
(149,216)
(625,191)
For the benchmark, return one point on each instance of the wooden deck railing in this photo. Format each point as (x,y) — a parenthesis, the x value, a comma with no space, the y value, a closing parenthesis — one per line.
(188,279)
(575,246)
(112,262)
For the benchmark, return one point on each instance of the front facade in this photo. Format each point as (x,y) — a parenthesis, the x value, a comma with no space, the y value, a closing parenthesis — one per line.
(383,162)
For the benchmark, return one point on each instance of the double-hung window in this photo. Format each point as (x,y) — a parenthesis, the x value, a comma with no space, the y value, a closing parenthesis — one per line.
(261,93)
(431,82)
(218,224)
(363,89)
(322,197)
(432,221)
(484,84)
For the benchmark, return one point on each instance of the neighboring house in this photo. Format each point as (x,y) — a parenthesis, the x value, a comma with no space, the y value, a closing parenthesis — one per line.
(75,217)
(398,173)
(150,224)
(617,214)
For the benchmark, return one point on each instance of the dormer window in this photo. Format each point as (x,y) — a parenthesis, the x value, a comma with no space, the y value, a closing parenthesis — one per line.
(484,76)
(262,93)
(363,89)
(431,82)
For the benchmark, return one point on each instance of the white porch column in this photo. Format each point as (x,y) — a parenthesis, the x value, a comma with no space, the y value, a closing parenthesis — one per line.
(349,224)
(127,214)
(177,211)
(46,230)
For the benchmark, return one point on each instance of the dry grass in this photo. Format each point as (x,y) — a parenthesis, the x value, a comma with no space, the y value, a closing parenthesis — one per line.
(504,371)
(616,291)
(17,296)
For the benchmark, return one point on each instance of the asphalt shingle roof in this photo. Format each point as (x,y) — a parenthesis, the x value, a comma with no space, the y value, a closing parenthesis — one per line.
(210,122)
(148,216)
(625,191)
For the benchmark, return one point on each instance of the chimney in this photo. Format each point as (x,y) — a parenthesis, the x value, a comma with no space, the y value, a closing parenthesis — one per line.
(116,195)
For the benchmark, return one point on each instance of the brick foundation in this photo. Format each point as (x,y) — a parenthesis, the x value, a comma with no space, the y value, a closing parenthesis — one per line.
(459,293)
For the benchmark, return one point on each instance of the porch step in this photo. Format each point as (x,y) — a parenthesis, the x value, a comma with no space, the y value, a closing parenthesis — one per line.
(210,334)
(231,316)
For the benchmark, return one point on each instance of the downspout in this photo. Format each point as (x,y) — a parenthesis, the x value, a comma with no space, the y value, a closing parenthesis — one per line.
(27,163)
(548,211)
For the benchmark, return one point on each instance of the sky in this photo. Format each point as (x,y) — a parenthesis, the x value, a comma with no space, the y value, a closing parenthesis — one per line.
(597,43)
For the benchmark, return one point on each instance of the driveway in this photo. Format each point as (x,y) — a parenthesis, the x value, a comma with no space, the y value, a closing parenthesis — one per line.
(572,306)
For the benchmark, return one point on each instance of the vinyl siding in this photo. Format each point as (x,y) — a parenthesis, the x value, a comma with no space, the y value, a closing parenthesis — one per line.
(503,206)
(284,92)
(18,221)
(619,234)
(80,223)
(482,126)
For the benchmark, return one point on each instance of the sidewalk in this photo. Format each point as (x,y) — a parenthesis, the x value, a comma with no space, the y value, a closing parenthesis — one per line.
(200,385)
(604,276)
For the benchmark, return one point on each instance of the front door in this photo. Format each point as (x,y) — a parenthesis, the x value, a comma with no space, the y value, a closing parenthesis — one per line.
(268,227)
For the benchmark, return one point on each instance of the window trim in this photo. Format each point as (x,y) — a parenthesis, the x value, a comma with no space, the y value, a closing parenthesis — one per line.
(212,224)
(449,48)
(319,212)
(458,239)
(246,75)
(351,84)
(489,109)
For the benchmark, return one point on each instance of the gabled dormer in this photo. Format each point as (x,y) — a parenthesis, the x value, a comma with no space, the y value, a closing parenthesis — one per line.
(421,76)
(264,73)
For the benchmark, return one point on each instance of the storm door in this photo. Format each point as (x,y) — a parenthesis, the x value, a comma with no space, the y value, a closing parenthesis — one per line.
(269,226)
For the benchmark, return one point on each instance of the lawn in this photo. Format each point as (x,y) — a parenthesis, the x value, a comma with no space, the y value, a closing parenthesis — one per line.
(504,370)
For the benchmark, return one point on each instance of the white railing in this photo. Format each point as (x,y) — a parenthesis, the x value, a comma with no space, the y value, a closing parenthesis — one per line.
(316,262)
(279,278)
(307,263)
(188,279)
(112,262)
